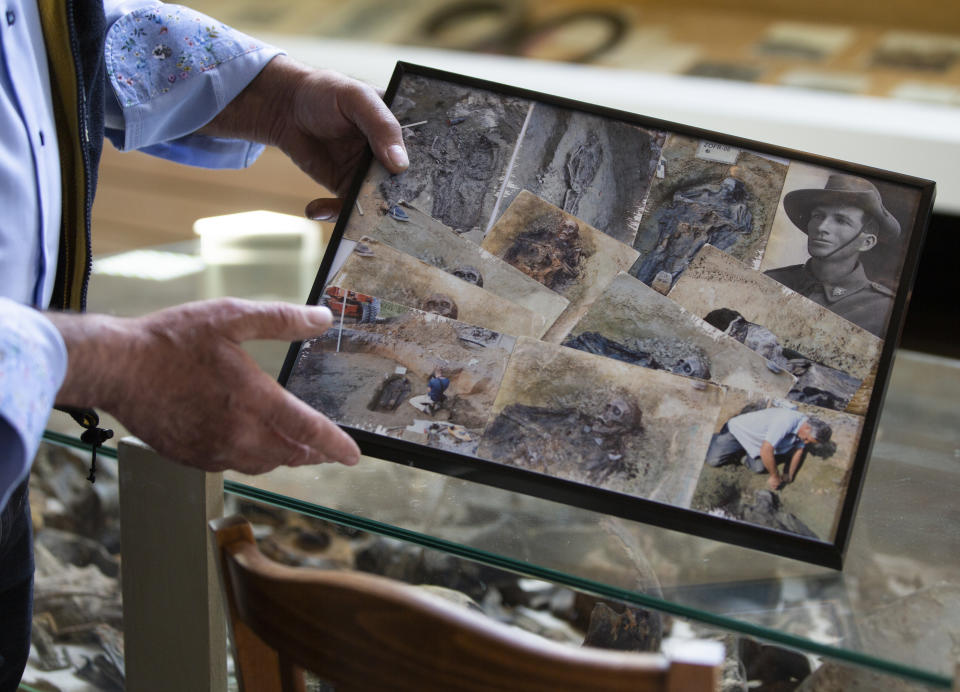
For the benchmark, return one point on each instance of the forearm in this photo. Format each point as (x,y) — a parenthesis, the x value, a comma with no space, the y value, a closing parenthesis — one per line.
(100,351)
(194,67)
(769,460)
(795,463)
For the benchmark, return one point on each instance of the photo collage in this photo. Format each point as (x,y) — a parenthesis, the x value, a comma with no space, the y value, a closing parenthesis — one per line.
(631,309)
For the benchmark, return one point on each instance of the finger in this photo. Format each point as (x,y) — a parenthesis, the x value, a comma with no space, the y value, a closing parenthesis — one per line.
(308,435)
(270,427)
(363,107)
(243,320)
(324,209)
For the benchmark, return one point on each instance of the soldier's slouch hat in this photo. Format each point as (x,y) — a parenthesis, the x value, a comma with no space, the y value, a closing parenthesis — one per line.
(842,189)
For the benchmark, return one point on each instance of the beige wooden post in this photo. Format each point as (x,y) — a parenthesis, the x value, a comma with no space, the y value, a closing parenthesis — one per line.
(173,620)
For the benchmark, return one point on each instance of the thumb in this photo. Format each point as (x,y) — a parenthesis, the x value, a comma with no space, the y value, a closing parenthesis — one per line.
(324,209)
(366,109)
(247,320)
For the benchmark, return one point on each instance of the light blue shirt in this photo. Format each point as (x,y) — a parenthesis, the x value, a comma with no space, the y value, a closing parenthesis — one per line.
(778,426)
(172,70)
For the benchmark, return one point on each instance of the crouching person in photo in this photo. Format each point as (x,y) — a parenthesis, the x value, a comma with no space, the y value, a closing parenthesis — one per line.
(763,440)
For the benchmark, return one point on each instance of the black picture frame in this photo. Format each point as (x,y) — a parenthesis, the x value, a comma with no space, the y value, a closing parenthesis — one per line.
(825,552)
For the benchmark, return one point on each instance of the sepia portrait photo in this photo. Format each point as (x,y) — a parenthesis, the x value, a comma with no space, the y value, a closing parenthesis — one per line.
(838,240)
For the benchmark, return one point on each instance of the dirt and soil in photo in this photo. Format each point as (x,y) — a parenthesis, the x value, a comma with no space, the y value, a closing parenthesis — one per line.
(632,322)
(423,237)
(376,376)
(602,422)
(560,251)
(377,269)
(460,142)
(716,280)
(810,504)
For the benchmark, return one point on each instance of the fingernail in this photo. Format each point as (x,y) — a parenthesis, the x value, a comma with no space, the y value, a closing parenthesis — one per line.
(354,456)
(321,214)
(321,316)
(398,156)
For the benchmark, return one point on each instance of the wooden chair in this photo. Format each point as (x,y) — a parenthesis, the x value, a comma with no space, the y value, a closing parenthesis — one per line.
(367,633)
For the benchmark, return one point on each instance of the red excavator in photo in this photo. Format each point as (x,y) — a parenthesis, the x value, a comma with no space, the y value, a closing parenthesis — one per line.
(350,305)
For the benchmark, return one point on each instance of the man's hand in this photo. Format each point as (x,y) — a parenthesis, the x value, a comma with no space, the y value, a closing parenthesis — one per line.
(320,119)
(180,381)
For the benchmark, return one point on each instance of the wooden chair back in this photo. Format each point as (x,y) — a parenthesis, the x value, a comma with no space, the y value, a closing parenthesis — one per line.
(360,632)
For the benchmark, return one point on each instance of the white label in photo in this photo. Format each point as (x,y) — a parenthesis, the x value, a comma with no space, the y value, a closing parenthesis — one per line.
(721,153)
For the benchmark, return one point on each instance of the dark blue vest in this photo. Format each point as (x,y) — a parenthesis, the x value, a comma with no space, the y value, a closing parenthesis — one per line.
(80,115)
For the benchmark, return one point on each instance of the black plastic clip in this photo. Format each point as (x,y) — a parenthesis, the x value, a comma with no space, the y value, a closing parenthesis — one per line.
(93,434)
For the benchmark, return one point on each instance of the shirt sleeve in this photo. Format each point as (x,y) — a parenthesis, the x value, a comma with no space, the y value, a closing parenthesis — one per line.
(172,70)
(33,363)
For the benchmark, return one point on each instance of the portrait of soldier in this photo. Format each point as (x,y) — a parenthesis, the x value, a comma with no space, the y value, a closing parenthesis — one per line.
(763,440)
(843,220)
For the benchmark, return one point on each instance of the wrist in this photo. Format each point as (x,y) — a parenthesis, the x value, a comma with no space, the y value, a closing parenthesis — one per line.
(263,111)
(99,352)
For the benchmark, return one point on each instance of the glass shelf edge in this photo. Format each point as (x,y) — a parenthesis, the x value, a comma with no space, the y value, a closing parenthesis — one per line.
(71,442)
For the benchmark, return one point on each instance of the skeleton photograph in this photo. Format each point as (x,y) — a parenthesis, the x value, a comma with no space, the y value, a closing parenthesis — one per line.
(559,251)
(423,237)
(778,464)
(401,372)
(594,168)
(815,383)
(837,241)
(705,193)
(460,142)
(831,357)
(601,422)
(633,323)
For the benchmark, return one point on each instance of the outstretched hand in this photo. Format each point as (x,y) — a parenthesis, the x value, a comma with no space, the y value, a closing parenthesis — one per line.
(321,119)
(180,381)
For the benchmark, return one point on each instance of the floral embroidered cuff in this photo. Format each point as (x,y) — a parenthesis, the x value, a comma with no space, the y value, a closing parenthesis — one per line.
(173,69)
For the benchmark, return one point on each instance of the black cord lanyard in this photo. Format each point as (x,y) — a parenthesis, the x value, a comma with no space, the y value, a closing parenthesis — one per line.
(93,434)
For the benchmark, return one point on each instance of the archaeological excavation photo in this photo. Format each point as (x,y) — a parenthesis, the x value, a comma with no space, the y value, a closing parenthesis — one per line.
(560,251)
(833,359)
(601,422)
(405,373)
(632,322)
(460,143)
(596,169)
(813,450)
(377,269)
(706,193)
(427,239)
